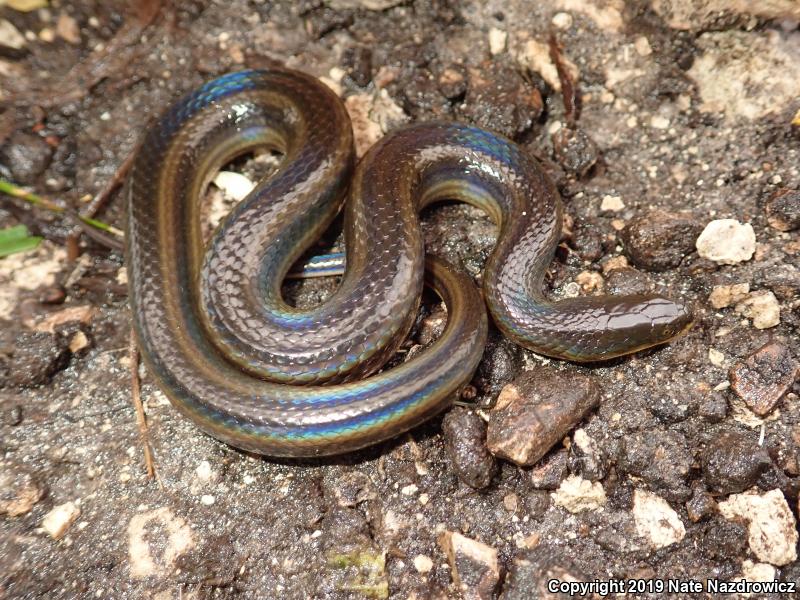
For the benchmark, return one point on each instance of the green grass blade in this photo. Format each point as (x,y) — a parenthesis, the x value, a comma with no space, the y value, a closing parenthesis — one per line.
(17,239)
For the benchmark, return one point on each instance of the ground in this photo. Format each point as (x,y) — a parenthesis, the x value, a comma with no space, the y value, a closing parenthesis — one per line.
(685,466)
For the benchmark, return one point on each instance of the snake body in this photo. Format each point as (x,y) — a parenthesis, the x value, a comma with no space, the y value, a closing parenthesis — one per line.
(261,375)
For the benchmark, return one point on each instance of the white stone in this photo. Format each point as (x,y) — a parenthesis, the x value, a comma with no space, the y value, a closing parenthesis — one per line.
(727,241)
(409,490)
(203,471)
(423,564)
(10,35)
(659,122)
(611,203)
(723,296)
(655,519)
(233,185)
(147,558)
(497,40)
(771,526)
(577,494)
(58,520)
(762,307)
(642,46)
(562,20)
(715,357)
(736,74)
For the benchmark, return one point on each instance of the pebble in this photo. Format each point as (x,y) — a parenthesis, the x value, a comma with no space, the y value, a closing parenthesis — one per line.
(733,462)
(577,494)
(576,152)
(661,458)
(611,203)
(700,506)
(498,97)
(587,241)
(783,280)
(585,459)
(723,296)
(762,307)
(37,357)
(465,444)
(772,534)
(10,37)
(783,209)
(762,378)
(535,412)
(19,489)
(627,281)
(68,29)
(423,564)
(58,520)
(658,240)
(452,82)
(234,185)
(497,41)
(531,570)
(727,242)
(550,472)
(562,20)
(358,64)
(656,521)
(473,565)
(27,156)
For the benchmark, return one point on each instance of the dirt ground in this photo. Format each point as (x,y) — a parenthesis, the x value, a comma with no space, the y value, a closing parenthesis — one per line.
(687,469)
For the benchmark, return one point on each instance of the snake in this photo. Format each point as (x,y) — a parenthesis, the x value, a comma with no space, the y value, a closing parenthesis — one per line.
(250,369)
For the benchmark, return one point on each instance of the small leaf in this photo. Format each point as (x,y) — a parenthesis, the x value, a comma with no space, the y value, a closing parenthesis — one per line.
(17,239)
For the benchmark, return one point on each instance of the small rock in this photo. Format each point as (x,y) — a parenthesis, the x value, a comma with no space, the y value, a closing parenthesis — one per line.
(497,41)
(783,210)
(661,458)
(577,494)
(611,203)
(358,63)
(58,520)
(576,152)
(783,280)
(713,408)
(723,296)
(532,569)
(764,377)
(733,462)
(590,281)
(562,20)
(758,571)
(715,357)
(587,242)
(535,412)
(452,82)
(499,97)
(37,357)
(234,185)
(550,472)
(19,489)
(727,242)
(67,29)
(659,240)
(720,539)
(465,443)
(474,565)
(585,458)
(27,156)
(772,534)
(655,519)
(762,307)
(423,564)
(10,37)
(626,282)
(701,505)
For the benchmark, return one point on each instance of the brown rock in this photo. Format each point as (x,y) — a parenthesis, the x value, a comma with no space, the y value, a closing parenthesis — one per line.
(465,437)
(764,377)
(19,489)
(659,240)
(536,411)
(474,565)
(575,150)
